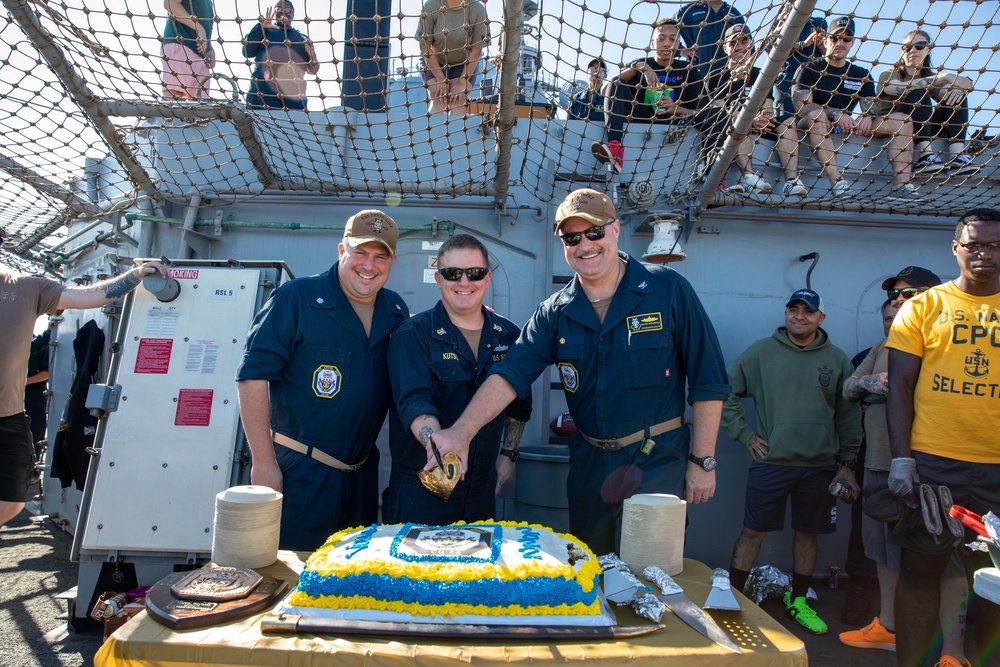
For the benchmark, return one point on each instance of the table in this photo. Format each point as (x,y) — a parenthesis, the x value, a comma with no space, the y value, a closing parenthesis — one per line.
(142,642)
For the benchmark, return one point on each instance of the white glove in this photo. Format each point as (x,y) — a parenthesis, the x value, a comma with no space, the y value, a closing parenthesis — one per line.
(903,477)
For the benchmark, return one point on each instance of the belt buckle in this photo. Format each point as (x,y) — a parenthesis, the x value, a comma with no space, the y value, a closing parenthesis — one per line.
(609,445)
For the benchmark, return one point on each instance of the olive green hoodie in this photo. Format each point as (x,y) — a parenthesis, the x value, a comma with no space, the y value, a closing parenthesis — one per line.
(798,403)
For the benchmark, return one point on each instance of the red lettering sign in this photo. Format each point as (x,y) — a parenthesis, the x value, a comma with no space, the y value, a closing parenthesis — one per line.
(194,407)
(153,355)
(184,274)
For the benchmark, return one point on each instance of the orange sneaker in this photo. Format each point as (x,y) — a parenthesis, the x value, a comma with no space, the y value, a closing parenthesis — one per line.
(948,661)
(872,635)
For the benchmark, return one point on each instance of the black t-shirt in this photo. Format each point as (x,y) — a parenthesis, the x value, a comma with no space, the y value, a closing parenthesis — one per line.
(722,85)
(682,80)
(835,87)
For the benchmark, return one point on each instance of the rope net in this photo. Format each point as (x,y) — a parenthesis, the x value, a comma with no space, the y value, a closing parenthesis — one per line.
(95,120)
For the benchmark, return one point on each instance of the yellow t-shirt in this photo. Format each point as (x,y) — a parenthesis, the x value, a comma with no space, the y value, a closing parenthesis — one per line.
(957,398)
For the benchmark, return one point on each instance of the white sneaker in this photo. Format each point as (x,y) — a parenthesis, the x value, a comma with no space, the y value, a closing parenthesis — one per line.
(928,163)
(792,188)
(754,183)
(906,193)
(841,189)
(961,164)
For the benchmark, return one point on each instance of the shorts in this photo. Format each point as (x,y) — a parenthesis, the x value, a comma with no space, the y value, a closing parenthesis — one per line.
(17,454)
(450,73)
(814,508)
(184,71)
(974,486)
(875,534)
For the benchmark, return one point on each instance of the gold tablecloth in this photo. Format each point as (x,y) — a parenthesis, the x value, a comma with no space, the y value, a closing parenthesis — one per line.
(142,642)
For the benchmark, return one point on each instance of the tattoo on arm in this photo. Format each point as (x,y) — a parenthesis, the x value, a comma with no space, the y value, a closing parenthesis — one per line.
(119,286)
(868,106)
(425,435)
(853,390)
(870,383)
(801,95)
(512,433)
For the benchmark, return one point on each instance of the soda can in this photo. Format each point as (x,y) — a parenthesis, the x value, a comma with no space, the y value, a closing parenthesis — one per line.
(842,491)
(834,577)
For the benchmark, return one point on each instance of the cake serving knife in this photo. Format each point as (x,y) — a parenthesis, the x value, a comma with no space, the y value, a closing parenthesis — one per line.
(686,610)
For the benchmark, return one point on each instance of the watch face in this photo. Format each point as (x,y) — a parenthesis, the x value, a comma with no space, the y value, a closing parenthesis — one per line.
(709,463)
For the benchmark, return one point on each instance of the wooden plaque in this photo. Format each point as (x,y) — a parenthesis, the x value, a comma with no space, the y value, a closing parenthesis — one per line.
(168,609)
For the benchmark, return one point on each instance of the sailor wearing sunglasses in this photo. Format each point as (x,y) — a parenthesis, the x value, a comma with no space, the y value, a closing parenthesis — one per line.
(631,343)
(437,361)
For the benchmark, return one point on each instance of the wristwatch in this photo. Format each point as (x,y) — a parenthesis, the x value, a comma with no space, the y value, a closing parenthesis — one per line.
(512,454)
(707,463)
(848,463)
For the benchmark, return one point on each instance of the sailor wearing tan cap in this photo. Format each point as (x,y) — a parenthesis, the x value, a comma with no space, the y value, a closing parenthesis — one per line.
(314,386)
(631,343)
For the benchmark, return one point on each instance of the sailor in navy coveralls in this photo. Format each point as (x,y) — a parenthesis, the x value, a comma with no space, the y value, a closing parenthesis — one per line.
(631,342)
(437,361)
(314,386)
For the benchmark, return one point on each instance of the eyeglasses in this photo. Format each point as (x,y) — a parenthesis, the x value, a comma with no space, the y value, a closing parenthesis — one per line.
(596,69)
(975,247)
(919,46)
(595,233)
(453,274)
(846,39)
(907,292)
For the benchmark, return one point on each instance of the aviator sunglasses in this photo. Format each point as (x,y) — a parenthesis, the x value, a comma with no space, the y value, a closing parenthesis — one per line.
(846,39)
(453,274)
(907,292)
(595,233)
(919,46)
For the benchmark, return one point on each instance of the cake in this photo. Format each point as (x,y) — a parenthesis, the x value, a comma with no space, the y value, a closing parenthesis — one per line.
(477,569)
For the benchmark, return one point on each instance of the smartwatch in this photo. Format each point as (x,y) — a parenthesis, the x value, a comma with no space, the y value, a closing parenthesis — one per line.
(707,463)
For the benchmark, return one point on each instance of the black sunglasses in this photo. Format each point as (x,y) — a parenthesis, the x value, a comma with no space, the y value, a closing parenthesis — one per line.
(919,46)
(907,292)
(846,39)
(453,274)
(595,233)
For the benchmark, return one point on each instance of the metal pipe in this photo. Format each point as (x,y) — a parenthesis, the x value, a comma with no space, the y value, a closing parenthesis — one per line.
(741,126)
(45,186)
(513,11)
(816,217)
(446,225)
(59,220)
(54,259)
(190,217)
(77,88)
(147,230)
(224,111)
(72,237)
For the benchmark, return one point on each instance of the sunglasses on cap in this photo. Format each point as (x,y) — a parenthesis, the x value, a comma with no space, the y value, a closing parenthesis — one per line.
(595,233)
(846,39)
(907,292)
(919,46)
(453,274)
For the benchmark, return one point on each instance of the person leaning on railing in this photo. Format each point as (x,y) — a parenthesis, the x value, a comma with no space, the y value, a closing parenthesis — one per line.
(452,34)
(937,103)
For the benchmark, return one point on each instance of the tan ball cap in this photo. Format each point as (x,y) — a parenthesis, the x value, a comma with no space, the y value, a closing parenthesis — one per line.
(371,225)
(591,205)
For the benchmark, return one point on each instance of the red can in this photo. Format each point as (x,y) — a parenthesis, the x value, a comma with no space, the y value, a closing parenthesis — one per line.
(834,577)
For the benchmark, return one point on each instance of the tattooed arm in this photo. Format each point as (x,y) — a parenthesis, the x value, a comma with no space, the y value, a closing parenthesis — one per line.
(513,429)
(856,388)
(106,291)
(422,428)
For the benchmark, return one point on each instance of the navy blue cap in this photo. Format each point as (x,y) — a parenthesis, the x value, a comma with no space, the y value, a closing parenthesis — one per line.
(914,276)
(842,23)
(813,301)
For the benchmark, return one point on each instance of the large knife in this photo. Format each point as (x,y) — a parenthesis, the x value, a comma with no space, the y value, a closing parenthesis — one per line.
(686,610)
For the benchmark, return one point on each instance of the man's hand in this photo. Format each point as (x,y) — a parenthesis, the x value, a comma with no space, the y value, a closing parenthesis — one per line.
(267,20)
(505,468)
(266,473)
(202,39)
(458,91)
(665,106)
(210,58)
(699,483)
(846,476)
(450,441)
(149,268)
(757,446)
(902,478)
(863,126)
(436,89)
(877,384)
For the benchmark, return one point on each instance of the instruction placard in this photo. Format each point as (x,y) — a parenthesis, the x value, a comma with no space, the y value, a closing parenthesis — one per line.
(194,407)
(154,355)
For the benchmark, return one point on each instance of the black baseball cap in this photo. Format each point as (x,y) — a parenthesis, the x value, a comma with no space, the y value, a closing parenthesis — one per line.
(842,24)
(597,61)
(915,276)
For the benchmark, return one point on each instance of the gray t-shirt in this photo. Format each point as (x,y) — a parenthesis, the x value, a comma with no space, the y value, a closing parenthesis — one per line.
(23,299)
(453,32)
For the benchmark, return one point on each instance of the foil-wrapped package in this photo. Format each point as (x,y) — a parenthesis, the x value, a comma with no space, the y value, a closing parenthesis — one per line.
(664,581)
(611,560)
(648,605)
(720,578)
(767,581)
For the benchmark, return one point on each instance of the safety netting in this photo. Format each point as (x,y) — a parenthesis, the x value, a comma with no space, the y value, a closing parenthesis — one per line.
(92,127)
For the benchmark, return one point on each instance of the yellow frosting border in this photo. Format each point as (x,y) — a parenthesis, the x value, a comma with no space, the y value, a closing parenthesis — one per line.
(300,599)
(586,577)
